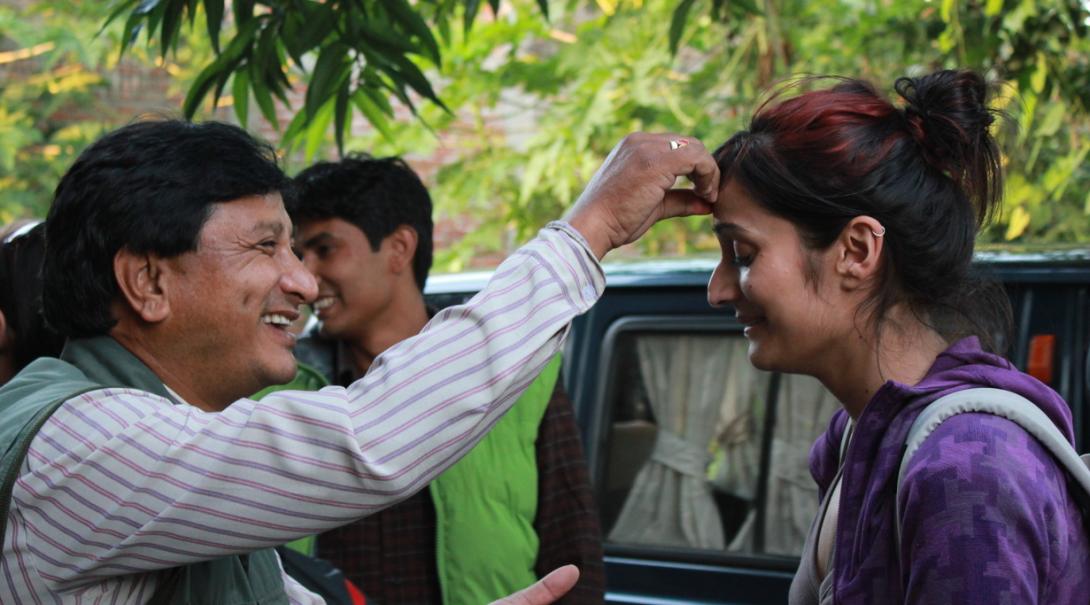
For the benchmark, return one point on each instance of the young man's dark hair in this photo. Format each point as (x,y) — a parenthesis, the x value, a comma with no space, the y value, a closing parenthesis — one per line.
(377,195)
(113,196)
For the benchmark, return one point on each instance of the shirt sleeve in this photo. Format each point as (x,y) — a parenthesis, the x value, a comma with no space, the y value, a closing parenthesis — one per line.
(985,516)
(567,519)
(120,481)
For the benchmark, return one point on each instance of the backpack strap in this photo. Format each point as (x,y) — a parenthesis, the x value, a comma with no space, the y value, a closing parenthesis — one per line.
(845,439)
(11,462)
(998,402)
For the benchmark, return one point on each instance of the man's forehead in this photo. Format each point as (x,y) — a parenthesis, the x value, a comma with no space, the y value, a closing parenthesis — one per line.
(314,231)
(251,215)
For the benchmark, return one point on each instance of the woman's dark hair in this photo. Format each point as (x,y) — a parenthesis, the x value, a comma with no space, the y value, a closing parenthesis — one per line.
(21,297)
(930,173)
(147,187)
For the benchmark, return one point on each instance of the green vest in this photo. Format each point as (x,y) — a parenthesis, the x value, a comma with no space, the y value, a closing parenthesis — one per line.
(28,400)
(485,504)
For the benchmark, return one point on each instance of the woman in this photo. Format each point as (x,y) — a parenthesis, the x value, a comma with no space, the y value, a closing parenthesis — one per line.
(23,334)
(847,227)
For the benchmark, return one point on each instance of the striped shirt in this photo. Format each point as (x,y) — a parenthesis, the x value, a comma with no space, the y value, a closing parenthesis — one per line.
(120,482)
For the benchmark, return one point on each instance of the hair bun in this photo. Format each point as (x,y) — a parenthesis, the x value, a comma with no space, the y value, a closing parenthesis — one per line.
(947,113)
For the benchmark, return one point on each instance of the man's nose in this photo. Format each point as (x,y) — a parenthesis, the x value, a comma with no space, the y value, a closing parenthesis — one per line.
(298,280)
(723,288)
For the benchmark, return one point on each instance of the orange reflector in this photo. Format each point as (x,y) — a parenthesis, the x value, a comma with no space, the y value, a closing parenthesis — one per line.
(1041,351)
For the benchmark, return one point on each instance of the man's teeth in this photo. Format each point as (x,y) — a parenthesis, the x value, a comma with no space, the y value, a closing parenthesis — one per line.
(322,303)
(276,319)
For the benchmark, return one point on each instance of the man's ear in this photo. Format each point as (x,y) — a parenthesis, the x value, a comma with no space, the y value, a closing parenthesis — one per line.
(140,278)
(859,251)
(402,247)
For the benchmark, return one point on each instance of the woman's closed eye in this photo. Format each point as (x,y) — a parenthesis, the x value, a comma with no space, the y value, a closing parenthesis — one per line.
(741,255)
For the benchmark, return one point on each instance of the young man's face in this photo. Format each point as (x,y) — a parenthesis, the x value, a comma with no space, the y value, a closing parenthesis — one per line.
(355,282)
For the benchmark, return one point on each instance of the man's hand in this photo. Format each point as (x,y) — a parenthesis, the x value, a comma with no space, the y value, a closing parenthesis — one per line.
(546,590)
(634,189)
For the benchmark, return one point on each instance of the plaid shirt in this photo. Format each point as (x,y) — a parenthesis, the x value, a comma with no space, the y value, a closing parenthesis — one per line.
(391,554)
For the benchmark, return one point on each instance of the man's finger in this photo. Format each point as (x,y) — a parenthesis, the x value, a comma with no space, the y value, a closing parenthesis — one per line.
(684,202)
(705,177)
(692,160)
(546,590)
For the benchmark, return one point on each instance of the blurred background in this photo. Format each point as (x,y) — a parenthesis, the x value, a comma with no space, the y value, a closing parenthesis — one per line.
(506,107)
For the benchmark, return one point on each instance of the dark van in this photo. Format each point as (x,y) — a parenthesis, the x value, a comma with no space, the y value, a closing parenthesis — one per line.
(699,461)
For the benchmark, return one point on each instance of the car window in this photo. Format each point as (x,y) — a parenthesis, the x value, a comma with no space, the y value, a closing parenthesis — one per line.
(702,451)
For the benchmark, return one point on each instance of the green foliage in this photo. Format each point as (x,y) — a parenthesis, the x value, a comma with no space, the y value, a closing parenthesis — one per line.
(530,106)
(356,55)
(537,106)
(45,73)
(55,93)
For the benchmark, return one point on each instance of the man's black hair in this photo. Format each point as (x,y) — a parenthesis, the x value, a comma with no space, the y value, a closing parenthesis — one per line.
(148,187)
(377,195)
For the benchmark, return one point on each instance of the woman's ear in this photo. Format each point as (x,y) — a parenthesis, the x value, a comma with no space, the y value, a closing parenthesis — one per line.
(402,244)
(140,278)
(860,244)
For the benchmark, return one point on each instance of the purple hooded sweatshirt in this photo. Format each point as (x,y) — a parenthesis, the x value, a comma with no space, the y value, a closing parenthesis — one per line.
(987,512)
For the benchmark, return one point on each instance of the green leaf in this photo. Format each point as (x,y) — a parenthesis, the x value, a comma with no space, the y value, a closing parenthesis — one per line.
(329,71)
(1040,74)
(122,6)
(263,98)
(294,129)
(677,23)
(244,11)
(216,72)
(542,4)
(311,26)
(241,91)
(317,129)
(341,116)
(948,10)
(403,13)
(200,87)
(133,25)
(172,24)
(1054,118)
(472,6)
(415,78)
(383,40)
(214,16)
(375,115)
(993,7)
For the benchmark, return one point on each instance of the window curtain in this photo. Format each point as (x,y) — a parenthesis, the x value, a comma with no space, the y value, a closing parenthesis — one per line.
(688,382)
(802,414)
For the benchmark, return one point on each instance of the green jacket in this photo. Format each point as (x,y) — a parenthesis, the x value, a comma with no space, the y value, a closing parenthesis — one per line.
(31,397)
(485,504)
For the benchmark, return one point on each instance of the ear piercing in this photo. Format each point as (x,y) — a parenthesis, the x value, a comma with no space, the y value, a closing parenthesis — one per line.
(880,232)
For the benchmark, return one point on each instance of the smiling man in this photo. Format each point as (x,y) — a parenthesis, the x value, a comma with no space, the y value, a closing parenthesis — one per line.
(516,507)
(136,470)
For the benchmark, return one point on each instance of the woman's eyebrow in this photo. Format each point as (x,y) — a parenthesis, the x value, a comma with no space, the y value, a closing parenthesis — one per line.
(729,230)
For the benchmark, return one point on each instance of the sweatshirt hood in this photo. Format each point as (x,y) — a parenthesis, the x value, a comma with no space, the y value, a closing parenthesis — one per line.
(965,365)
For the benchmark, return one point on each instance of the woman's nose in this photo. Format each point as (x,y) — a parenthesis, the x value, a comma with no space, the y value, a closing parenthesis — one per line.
(723,287)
